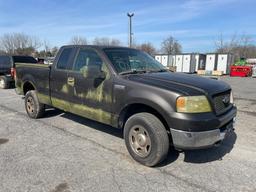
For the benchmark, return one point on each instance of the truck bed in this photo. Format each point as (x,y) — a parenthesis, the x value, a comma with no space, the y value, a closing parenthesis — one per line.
(37,74)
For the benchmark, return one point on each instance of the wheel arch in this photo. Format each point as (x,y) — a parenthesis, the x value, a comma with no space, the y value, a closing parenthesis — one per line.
(28,86)
(134,108)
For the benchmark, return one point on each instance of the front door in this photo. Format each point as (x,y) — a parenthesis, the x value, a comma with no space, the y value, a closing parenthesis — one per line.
(92,93)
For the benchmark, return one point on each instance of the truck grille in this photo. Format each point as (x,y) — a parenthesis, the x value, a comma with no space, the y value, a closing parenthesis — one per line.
(221,102)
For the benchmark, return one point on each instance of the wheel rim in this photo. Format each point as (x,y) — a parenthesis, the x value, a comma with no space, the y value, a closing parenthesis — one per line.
(140,141)
(30,105)
(1,83)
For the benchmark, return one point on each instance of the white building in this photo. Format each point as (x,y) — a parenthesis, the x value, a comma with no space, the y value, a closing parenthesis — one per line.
(187,63)
(191,62)
(219,62)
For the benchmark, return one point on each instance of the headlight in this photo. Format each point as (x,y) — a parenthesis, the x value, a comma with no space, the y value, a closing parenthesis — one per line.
(193,104)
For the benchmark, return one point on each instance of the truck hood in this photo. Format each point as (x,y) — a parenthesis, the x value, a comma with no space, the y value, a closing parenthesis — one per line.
(184,83)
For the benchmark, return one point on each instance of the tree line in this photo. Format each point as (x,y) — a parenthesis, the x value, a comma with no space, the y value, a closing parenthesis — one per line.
(23,44)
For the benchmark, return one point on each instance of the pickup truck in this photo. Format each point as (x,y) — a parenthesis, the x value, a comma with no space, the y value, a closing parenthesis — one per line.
(128,89)
(7,68)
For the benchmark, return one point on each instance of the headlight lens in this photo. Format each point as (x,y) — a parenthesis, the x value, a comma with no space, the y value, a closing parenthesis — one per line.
(193,104)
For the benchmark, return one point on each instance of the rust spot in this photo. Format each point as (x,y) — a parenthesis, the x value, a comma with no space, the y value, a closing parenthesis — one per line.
(3,141)
(62,187)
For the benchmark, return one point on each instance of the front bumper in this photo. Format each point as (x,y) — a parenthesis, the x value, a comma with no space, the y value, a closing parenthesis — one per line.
(199,140)
(189,139)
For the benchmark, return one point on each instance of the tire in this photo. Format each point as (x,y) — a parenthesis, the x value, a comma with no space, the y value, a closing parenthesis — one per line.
(4,83)
(34,108)
(146,139)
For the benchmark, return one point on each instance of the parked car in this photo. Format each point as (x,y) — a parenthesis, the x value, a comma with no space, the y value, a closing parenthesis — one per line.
(7,68)
(128,89)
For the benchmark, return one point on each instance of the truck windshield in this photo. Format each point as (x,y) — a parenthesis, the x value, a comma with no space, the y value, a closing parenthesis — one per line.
(127,60)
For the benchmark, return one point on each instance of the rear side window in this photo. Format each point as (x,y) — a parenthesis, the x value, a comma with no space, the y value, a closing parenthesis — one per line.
(64,59)
(5,61)
(24,59)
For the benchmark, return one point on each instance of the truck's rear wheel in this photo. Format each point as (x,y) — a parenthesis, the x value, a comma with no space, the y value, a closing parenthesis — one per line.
(34,108)
(4,83)
(146,139)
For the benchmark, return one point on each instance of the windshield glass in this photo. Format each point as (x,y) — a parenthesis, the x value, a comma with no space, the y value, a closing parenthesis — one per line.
(125,59)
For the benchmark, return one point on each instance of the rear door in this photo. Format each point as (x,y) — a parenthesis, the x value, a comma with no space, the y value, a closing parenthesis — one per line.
(61,90)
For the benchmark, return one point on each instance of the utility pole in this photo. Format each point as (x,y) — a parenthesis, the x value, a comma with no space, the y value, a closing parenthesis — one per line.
(130,15)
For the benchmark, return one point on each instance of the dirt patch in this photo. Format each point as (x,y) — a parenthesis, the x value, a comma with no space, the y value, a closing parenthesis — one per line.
(62,187)
(3,141)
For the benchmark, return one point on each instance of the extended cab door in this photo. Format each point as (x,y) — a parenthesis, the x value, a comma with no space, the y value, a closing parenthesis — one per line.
(92,93)
(62,87)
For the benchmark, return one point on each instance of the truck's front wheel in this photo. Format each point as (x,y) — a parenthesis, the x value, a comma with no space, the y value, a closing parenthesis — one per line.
(34,108)
(146,139)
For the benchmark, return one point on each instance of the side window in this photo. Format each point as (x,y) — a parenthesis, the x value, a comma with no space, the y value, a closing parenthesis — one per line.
(5,61)
(64,58)
(87,58)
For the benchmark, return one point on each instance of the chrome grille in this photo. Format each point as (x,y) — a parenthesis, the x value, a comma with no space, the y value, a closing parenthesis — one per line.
(221,102)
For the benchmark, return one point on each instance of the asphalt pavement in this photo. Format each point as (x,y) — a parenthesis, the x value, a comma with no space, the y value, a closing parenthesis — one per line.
(63,152)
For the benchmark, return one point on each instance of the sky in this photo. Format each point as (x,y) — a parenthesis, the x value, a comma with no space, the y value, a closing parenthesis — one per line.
(196,24)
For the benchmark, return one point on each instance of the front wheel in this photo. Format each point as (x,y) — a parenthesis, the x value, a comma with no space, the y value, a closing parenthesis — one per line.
(146,139)
(34,108)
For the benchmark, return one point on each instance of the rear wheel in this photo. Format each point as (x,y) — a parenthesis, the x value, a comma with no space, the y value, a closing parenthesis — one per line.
(4,83)
(34,108)
(146,139)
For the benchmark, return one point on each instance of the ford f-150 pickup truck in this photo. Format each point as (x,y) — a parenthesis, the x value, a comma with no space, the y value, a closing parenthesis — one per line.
(128,89)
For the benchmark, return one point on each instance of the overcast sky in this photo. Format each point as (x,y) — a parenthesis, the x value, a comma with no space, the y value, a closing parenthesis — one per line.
(195,23)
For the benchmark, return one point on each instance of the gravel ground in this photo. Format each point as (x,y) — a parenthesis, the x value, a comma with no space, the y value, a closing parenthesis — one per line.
(63,152)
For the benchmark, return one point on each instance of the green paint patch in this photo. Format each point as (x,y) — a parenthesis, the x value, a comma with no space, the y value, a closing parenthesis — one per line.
(44,98)
(33,65)
(83,110)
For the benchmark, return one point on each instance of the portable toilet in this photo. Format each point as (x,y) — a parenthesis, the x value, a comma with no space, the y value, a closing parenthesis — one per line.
(165,60)
(211,62)
(179,63)
(158,58)
(224,62)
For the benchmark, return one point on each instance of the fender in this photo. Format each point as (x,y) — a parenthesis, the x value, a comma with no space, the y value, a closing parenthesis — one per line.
(151,99)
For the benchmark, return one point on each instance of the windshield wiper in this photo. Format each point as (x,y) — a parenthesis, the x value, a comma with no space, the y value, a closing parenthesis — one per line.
(133,71)
(157,71)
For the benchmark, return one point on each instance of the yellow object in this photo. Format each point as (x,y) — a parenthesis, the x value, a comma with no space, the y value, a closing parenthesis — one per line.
(201,72)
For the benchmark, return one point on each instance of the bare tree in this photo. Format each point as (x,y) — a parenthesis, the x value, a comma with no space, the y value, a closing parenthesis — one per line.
(78,40)
(106,41)
(54,51)
(147,47)
(171,46)
(239,45)
(19,43)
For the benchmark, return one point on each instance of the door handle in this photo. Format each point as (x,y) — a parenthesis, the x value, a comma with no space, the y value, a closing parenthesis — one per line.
(71,81)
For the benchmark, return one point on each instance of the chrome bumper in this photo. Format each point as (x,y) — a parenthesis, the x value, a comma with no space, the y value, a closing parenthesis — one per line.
(197,140)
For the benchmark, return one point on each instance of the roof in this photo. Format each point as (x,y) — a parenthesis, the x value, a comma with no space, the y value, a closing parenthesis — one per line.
(96,46)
